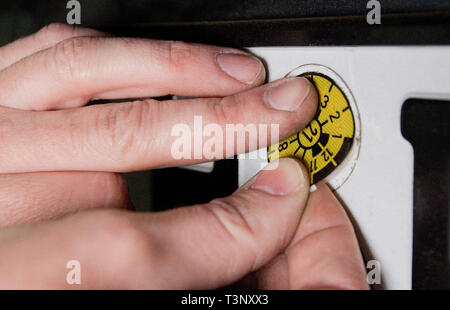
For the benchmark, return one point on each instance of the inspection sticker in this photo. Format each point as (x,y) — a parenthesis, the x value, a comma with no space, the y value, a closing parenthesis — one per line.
(327,140)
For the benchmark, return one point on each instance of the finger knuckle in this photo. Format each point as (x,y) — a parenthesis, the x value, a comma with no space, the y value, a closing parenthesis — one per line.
(115,189)
(122,237)
(67,56)
(116,242)
(179,54)
(52,32)
(121,127)
(225,110)
(230,213)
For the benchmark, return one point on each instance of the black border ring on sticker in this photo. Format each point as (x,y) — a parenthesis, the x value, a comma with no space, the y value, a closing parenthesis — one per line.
(329,144)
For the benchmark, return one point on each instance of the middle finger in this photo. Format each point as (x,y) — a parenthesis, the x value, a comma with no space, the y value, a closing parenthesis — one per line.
(146,134)
(77,70)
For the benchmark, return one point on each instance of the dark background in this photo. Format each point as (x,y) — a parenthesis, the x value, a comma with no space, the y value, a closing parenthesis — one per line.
(243,22)
(425,123)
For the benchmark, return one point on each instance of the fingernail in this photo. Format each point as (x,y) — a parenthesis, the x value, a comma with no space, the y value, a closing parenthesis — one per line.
(244,68)
(288,94)
(286,179)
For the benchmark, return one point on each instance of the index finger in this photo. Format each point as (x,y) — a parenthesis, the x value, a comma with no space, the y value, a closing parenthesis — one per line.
(80,69)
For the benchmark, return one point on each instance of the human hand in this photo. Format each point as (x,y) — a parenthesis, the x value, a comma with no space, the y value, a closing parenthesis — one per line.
(61,198)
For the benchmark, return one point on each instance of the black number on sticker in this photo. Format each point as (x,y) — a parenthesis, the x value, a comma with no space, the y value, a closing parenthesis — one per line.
(313,132)
(283,146)
(323,104)
(335,116)
(313,165)
(326,154)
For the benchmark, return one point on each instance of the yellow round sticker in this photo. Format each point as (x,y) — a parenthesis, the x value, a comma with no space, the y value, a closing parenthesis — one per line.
(324,143)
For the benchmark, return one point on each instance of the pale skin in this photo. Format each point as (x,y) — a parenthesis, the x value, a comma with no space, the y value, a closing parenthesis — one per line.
(62,197)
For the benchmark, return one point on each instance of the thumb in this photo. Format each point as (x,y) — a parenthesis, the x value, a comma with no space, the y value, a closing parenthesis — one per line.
(216,244)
